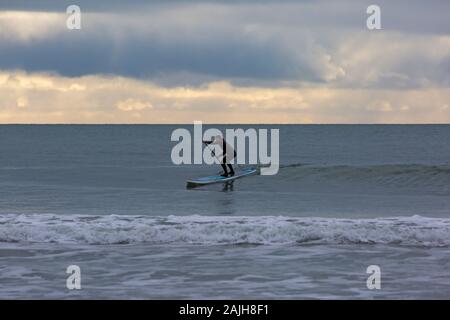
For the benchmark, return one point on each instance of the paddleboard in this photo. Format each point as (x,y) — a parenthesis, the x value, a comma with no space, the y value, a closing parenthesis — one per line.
(219,179)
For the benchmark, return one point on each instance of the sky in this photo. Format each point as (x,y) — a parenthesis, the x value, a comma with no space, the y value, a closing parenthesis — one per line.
(225,61)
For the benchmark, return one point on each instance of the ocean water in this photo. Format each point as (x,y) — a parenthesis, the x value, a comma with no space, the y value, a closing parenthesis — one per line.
(109,200)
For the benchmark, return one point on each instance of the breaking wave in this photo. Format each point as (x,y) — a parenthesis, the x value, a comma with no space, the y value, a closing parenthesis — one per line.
(211,230)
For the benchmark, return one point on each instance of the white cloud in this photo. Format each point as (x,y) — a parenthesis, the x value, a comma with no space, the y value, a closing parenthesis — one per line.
(382,106)
(133,105)
(22,102)
(125,100)
(26,26)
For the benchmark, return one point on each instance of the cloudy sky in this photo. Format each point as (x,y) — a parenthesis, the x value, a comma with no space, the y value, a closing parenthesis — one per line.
(225,61)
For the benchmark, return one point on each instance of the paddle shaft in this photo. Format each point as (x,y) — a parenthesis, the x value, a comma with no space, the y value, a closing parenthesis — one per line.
(213,152)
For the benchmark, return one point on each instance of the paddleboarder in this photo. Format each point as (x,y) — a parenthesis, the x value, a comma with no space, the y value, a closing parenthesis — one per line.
(228,153)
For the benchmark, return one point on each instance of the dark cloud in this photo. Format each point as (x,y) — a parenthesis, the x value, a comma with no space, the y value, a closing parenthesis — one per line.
(61,5)
(288,41)
(404,15)
(119,5)
(140,56)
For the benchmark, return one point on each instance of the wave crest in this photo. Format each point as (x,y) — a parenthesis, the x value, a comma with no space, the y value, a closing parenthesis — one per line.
(209,230)
(403,176)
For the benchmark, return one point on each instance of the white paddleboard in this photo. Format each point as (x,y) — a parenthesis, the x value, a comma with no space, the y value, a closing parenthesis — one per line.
(219,179)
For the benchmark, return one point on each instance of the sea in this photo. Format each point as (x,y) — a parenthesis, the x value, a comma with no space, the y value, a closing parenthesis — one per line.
(347,200)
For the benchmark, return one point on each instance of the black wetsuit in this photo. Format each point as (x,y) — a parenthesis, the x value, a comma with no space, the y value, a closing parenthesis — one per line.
(224,163)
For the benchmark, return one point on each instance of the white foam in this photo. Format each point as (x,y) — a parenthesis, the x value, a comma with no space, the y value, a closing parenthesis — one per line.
(266,230)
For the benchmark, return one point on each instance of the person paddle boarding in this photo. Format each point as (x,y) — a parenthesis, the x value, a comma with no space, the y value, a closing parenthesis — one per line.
(228,153)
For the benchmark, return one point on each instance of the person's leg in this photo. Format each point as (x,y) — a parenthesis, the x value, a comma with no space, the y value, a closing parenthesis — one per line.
(224,167)
(230,166)
(225,172)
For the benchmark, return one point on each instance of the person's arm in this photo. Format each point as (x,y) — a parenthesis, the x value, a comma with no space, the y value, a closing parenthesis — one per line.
(212,141)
